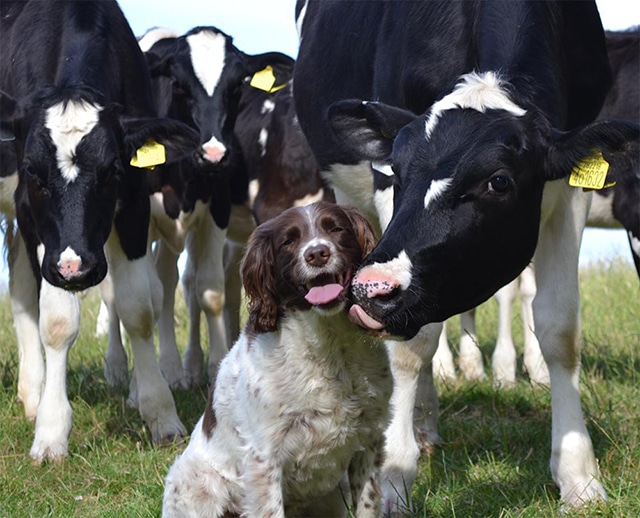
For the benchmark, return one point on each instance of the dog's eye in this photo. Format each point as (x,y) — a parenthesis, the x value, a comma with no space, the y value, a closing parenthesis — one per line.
(335,230)
(286,242)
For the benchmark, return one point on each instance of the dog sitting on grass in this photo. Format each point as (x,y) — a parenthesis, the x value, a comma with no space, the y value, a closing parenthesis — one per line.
(302,398)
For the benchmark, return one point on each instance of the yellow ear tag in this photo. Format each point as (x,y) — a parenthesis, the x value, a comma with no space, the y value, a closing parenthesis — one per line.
(151,154)
(590,173)
(265,79)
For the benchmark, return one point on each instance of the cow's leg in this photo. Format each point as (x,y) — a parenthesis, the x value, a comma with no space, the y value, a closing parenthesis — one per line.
(193,360)
(557,323)
(138,295)
(241,224)
(210,288)
(533,361)
(503,360)
(470,360)
(116,366)
(23,290)
(166,261)
(102,321)
(59,326)
(402,451)
(232,288)
(442,363)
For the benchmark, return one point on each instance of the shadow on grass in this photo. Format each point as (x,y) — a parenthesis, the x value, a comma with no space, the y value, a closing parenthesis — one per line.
(495,457)
(104,410)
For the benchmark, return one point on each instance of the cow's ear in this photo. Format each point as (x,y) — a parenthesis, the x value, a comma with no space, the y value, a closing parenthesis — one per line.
(368,128)
(270,71)
(616,142)
(177,139)
(159,55)
(8,110)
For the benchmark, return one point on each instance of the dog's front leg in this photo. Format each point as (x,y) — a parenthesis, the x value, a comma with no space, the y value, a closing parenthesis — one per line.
(364,482)
(263,486)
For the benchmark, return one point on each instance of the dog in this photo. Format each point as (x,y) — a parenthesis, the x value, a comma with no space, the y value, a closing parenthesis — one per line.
(301,401)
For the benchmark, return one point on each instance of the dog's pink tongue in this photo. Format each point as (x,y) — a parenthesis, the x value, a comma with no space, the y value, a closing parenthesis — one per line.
(323,294)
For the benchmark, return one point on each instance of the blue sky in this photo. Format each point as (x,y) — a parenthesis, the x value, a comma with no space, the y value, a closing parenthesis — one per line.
(256,25)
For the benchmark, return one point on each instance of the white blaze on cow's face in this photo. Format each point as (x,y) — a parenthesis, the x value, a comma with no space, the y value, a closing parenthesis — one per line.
(207,58)
(68,123)
(436,190)
(267,107)
(477,91)
(208,51)
(262,141)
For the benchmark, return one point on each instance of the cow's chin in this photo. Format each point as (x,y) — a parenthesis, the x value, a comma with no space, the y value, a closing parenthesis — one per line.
(79,283)
(388,330)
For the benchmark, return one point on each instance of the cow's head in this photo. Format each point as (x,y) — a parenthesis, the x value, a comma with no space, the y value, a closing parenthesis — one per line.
(206,72)
(73,155)
(468,183)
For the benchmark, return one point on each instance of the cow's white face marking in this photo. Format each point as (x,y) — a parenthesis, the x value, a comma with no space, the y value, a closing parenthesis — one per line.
(153,36)
(67,126)
(435,190)
(477,91)
(207,58)
(267,107)
(398,269)
(262,141)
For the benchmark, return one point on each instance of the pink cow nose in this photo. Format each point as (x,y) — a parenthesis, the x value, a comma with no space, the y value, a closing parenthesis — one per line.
(69,267)
(371,284)
(214,151)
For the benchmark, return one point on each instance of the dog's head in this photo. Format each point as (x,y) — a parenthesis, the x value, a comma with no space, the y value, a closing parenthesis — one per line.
(303,259)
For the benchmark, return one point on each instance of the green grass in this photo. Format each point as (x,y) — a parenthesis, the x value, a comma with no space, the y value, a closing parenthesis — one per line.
(494,461)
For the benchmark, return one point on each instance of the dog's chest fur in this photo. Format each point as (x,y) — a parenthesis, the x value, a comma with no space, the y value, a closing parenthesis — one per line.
(310,396)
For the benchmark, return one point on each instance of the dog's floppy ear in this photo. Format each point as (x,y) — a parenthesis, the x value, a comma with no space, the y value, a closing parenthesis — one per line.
(258,278)
(362,227)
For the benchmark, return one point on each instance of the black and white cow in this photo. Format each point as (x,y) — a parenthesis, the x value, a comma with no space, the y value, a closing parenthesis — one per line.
(623,102)
(617,206)
(473,115)
(82,109)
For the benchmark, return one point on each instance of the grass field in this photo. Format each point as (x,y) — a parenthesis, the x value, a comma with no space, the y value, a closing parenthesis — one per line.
(494,461)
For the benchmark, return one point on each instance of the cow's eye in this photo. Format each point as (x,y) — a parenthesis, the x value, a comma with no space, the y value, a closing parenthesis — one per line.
(499,183)
(31,174)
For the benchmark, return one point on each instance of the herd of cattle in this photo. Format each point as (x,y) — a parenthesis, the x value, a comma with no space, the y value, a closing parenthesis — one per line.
(453,126)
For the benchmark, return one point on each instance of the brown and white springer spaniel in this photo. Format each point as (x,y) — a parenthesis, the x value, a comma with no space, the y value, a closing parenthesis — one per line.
(302,399)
